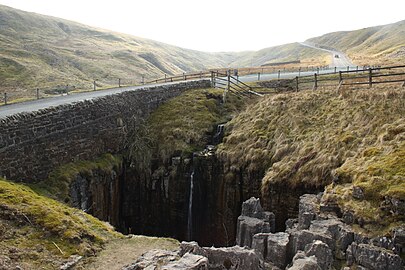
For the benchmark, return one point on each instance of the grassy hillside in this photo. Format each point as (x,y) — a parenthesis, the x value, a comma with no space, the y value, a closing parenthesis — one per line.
(39,231)
(53,54)
(284,53)
(42,51)
(312,139)
(36,231)
(380,44)
(182,125)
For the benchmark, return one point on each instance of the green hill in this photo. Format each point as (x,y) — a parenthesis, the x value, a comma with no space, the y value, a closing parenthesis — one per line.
(378,44)
(38,51)
(284,53)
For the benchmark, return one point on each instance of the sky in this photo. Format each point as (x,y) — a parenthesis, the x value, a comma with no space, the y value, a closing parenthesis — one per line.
(221,25)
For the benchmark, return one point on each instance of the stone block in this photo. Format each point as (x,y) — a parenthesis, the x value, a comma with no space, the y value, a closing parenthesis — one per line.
(277,249)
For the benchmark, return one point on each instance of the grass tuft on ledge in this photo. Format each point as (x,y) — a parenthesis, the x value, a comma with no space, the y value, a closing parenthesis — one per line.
(35,226)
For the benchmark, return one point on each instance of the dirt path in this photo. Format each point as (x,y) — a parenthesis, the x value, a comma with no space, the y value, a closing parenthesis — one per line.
(121,252)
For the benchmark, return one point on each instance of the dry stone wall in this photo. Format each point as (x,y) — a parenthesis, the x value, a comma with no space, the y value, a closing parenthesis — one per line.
(33,144)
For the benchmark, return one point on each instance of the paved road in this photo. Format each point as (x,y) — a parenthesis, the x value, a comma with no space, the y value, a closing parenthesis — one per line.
(341,61)
(36,105)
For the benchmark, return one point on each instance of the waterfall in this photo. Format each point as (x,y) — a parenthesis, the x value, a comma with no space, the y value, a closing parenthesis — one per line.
(218,135)
(190,208)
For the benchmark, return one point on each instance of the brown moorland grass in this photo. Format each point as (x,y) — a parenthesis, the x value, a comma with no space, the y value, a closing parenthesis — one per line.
(314,138)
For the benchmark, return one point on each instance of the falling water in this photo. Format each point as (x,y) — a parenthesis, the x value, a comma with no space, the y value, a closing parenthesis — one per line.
(218,135)
(190,208)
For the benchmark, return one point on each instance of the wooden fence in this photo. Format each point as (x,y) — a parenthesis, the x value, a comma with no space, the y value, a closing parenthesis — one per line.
(368,76)
(355,76)
(231,84)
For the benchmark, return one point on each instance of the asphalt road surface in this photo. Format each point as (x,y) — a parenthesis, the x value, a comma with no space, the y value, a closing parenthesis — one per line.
(35,105)
(340,61)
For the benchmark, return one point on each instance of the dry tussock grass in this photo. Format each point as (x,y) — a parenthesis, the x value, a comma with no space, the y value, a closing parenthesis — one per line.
(314,138)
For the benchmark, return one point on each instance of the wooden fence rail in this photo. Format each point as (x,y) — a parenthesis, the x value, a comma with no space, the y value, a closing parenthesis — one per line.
(369,76)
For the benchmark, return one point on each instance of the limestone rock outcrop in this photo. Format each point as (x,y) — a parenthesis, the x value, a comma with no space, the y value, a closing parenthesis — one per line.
(253,220)
(193,257)
(319,239)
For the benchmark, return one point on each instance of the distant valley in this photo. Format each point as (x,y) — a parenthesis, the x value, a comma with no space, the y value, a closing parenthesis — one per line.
(38,51)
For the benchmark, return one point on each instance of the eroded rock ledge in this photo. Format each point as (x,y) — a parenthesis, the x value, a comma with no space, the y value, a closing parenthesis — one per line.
(317,239)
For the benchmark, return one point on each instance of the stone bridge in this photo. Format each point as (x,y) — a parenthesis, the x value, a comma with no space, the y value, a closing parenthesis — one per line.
(33,144)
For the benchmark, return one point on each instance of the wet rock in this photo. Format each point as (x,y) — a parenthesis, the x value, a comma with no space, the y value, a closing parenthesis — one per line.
(291,223)
(191,247)
(308,208)
(372,257)
(235,258)
(152,258)
(73,260)
(252,208)
(361,239)
(232,258)
(322,252)
(302,238)
(393,206)
(272,248)
(399,239)
(383,242)
(358,193)
(341,234)
(188,262)
(253,220)
(330,206)
(302,262)
(277,249)
(259,244)
(348,217)
(247,227)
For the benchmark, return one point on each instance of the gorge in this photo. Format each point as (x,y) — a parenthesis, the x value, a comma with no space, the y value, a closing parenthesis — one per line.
(178,162)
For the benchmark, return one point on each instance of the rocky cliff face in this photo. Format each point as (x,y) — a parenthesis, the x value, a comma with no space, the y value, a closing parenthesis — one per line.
(318,239)
(157,202)
(99,193)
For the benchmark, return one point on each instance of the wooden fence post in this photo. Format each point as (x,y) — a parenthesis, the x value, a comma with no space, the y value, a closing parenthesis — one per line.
(370,77)
(317,70)
(119,82)
(143,79)
(348,68)
(165,77)
(315,81)
(229,81)
(278,74)
(37,93)
(5,98)
(335,69)
(258,76)
(212,79)
(94,85)
(296,80)
(340,76)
